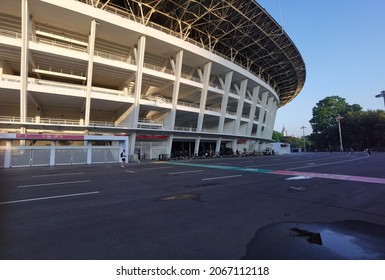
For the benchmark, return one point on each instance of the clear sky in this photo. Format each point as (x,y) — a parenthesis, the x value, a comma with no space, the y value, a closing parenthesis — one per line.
(343,45)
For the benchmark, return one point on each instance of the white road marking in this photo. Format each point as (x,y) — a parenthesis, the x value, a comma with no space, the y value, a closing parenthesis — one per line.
(297,161)
(299,178)
(48,197)
(328,163)
(182,172)
(130,171)
(223,177)
(52,184)
(52,175)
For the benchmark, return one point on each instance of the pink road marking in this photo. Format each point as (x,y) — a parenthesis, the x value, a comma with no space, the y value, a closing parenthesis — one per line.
(331,176)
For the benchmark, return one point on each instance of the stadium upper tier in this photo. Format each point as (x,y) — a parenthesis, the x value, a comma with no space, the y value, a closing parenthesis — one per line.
(240,30)
(171,75)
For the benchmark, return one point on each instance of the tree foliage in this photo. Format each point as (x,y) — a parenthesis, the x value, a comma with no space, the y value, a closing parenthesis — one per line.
(277,136)
(359,129)
(326,111)
(295,142)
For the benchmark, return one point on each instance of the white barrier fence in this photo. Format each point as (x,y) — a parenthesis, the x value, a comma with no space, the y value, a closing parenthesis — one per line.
(24,156)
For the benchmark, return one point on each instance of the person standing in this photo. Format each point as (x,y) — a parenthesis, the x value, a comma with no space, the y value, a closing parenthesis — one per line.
(123,157)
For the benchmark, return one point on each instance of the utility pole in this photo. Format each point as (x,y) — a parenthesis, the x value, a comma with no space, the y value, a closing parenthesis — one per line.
(304,140)
(338,119)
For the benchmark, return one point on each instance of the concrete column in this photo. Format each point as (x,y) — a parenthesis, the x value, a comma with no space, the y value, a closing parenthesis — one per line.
(269,108)
(197,143)
(262,113)
(139,53)
(170,122)
(218,146)
(253,108)
(226,88)
(272,114)
(7,156)
(205,82)
(247,145)
(89,152)
(91,48)
(1,69)
(234,145)
(131,144)
(169,144)
(52,156)
(25,28)
(241,92)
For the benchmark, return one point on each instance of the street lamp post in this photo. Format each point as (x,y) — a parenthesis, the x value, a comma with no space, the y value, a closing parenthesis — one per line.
(382,94)
(304,141)
(338,119)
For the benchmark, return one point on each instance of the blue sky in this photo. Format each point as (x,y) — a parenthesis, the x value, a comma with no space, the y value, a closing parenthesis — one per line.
(343,45)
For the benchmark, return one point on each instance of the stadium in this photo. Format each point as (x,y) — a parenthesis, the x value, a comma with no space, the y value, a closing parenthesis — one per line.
(82,80)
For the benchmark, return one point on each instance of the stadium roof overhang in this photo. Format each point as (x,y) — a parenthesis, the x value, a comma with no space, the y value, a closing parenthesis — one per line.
(240,30)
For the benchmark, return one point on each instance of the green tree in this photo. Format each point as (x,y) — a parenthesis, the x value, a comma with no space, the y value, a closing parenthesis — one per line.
(326,111)
(363,130)
(295,142)
(324,124)
(277,136)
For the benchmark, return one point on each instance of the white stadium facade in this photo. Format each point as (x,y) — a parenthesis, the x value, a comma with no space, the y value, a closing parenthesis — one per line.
(82,80)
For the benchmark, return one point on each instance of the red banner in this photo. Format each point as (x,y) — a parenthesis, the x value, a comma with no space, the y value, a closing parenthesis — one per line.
(159,137)
(49,137)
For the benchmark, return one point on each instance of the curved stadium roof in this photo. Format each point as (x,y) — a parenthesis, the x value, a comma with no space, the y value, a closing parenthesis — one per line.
(240,30)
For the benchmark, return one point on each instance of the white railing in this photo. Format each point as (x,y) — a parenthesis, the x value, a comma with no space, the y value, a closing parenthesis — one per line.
(111,56)
(187,104)
(190,77)
(142,123)
(213,109)
(11,78)
(58,43)
(209,130)
(57,121)
(56,84)
(102,124)
(66,45)
(110,92)
(150,121)
(10,119)
(157,98)
(181,128)
(149,124)
(10,34)
(33,81)
(157,68)
(231,113)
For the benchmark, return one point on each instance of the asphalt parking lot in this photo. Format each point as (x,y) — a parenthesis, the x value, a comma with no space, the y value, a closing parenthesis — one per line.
(297,206)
